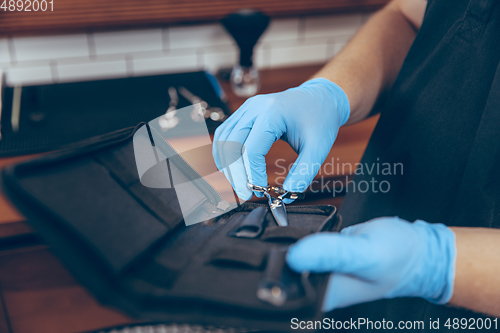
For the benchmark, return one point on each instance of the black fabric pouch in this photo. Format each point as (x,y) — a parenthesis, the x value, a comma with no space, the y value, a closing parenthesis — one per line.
(128,244)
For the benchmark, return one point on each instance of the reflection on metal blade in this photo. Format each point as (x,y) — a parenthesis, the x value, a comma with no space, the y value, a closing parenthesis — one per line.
(279,212)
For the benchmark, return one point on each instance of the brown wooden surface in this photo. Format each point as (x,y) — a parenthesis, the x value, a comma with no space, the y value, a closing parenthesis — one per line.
(39,295)
(7,212)
(42,297)
(84,15)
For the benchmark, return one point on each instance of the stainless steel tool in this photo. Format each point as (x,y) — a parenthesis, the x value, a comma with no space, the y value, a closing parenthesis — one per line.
(276,203)
(214,113)
(174,99)
(169,120)
(16,108)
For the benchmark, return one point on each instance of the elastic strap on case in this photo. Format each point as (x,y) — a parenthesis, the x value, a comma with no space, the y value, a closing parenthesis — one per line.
(250,257)
(118,167)
(252,225)
(275,288)
(158,207)
(284,233)
(130,182)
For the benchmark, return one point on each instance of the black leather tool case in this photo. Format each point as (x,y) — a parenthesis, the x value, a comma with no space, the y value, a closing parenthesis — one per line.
(129,245)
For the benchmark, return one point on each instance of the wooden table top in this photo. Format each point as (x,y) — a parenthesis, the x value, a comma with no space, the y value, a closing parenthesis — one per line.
(38,295)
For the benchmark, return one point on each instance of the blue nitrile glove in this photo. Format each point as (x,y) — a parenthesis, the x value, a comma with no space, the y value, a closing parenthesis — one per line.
(308,117)
(383,258)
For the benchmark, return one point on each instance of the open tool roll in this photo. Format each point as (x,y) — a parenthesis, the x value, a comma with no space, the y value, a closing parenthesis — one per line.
(129,246)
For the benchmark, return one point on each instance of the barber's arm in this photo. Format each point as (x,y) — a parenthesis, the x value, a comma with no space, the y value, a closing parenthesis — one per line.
(368,66)
(389,257)
(308,117)
(477,280)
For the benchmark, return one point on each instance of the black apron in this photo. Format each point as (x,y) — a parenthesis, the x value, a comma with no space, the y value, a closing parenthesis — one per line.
(441,122)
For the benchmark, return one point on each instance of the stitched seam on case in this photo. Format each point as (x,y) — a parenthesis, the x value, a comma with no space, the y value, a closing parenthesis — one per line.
(475,16)
(471,27)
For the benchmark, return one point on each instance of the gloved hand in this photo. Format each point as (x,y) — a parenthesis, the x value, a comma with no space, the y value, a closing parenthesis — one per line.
(308,117)
(383,258)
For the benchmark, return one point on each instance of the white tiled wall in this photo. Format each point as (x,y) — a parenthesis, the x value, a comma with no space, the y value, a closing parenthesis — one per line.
(78,57)
(90,70)
(49,48)
(160,63)
(325,26)
(129,42)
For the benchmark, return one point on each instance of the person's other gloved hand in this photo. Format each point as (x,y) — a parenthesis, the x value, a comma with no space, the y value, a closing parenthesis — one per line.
(308,117)
(383,258)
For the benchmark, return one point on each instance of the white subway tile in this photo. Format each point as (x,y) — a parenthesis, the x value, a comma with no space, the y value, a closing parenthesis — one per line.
(170,63)
(261,55)
(91,70)
(50,47)
(281,29)
(4,51)
(330,49)
(28,76)
(336,44)
(332,25)
(128,41)
(197,36)
(298,53)
(338,47)
(214,59)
